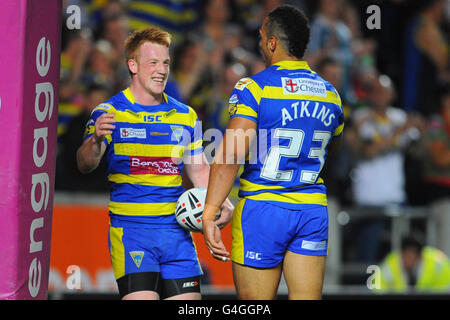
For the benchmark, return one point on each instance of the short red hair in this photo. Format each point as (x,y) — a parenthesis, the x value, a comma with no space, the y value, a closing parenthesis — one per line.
(138,37)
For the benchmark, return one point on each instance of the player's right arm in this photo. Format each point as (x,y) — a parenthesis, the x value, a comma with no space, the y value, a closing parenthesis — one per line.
(91,151)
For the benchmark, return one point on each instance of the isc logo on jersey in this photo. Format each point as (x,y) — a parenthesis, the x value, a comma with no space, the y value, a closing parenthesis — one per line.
(304,86)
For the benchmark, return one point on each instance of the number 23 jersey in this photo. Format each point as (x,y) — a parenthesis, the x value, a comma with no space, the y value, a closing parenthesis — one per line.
(298,114)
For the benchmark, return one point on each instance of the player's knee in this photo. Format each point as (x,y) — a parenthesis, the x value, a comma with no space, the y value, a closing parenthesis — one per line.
(141,295)
(246,295)
(255,294)
(305,295)
(186,296)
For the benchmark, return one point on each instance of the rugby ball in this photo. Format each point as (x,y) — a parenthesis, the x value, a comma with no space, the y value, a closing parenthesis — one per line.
(189,209)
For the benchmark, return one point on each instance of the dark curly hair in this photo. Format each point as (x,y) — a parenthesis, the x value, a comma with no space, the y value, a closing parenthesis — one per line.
(290,26)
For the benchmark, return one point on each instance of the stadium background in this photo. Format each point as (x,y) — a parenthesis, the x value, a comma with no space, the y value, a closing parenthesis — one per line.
(215,43)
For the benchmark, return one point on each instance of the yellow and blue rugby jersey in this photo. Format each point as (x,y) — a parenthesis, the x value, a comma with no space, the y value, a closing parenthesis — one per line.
(144,155)
(297,115)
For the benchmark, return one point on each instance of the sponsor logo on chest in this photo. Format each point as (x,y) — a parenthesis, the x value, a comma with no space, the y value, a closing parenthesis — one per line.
(304,86)
(153,165)
(133,133)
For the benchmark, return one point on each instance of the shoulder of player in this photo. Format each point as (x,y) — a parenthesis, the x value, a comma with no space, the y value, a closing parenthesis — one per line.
(252,86)
(265,77)
(330,89)
(106,106)
(111,105)
(245,83)
(180,107)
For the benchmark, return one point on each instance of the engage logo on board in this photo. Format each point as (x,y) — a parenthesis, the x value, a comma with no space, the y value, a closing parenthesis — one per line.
(40,182)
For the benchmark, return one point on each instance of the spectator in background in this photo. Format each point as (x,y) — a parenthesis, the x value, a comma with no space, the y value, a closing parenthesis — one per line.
(217,111)
(215,42)
(330,70)
(75,52)
(383,132)
(249,14)
(426,58)
(218,36)
(190,69)
(364,63)
(68,177)
(100,67)
(331,37)
(99,11)
(336,173)
(417,267)
(217,105)
(174,16)
(115,31)
(437,169)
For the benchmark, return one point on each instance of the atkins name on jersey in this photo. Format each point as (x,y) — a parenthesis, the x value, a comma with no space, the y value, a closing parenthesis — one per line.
(321,113)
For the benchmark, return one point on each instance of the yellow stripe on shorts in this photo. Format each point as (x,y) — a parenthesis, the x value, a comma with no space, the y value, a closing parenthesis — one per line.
(117,251)
(303,198)
(237,246)
(248,186)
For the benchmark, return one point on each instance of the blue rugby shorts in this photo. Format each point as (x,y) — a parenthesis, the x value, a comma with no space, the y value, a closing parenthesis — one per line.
(168,251)
(263,232)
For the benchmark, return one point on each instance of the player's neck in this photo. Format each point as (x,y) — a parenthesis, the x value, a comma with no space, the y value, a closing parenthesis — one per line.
(283,58)
(281,55)
(142,96)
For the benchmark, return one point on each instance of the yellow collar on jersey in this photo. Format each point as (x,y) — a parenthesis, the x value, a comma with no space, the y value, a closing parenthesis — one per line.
(292,65)
(129,95)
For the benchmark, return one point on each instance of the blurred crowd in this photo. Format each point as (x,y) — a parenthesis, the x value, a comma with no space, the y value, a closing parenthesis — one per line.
(393,81)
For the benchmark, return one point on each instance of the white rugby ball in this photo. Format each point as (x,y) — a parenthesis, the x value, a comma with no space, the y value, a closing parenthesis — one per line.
(189,209)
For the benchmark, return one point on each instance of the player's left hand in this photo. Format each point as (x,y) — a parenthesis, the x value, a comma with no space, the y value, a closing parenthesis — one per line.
(226,214)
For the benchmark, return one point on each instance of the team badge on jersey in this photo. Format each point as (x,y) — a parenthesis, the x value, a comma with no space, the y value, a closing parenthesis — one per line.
(232,107)
(137,257)
(90,127)
(244,82)
(177,132)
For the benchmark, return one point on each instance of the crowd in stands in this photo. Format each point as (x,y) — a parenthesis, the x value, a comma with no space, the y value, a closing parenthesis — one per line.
(393,82)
